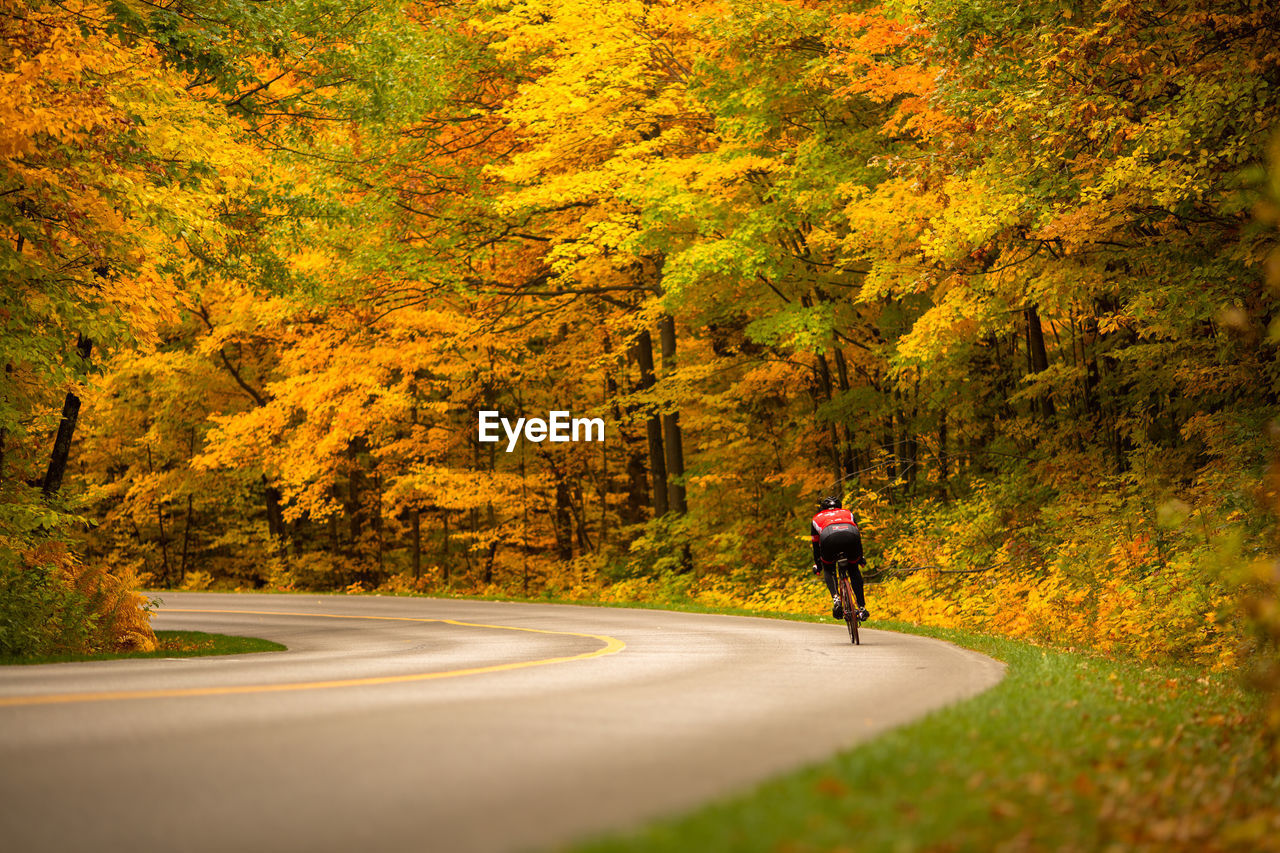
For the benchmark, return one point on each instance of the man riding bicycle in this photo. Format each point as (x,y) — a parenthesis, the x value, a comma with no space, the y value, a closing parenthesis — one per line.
(835,535)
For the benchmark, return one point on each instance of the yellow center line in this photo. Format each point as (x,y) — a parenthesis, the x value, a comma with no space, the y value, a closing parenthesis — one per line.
(612,645)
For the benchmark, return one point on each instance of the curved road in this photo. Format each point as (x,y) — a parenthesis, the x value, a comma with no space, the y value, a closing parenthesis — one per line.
(409,724)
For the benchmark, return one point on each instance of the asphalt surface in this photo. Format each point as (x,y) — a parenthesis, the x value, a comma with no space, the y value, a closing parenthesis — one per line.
(515,727)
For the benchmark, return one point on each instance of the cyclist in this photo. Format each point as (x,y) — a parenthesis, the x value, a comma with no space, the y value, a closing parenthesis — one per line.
(834,534)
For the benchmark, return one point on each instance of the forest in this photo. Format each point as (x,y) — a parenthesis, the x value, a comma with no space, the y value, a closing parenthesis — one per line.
(1002,276)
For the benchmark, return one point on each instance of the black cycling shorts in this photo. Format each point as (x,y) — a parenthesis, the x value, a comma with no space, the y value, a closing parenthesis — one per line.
(837,539)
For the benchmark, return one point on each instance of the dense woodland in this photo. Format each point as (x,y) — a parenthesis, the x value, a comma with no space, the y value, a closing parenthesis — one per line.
(994,272)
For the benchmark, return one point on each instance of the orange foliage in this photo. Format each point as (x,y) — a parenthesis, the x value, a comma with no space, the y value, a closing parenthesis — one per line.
(109,615)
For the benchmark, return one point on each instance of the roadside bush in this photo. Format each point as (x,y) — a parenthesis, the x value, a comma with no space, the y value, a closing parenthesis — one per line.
(316,570)
(1126,569)
(196,581)
(51,603)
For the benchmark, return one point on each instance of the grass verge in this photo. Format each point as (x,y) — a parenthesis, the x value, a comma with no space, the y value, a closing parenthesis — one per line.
(1069,752)
(171,644)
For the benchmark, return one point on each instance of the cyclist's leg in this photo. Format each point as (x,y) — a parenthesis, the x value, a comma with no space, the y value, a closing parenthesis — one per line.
(829,577)
(855,577)
(830,551)
(853,552)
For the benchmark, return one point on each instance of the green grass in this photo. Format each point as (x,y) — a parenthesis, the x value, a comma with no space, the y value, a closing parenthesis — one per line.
(172,644)
(1069,752)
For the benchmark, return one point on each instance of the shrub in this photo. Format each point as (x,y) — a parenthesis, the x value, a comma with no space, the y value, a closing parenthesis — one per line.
(51,603)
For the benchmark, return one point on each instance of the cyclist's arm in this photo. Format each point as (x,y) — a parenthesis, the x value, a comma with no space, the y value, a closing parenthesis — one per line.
(813,537)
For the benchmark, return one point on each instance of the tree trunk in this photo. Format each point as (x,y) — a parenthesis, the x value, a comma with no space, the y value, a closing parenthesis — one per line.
(1039,356)
(524,530)
(493,540)
(602,490)
(275,516)
(824,377)
(186,544)
(417,543)
(890,446)
(164,539)
(643,349)
(331,523)
(637,485)
(355,509)
(944,471)
(490,555)
(1092,375)
(377,520)
(445,574)
(164,544)
(579,506)
(846,443)
(137,534)
(563,519)
(912,439)
(66,429)
(637,476)
(905,439)
(4,433)
(473,524)
(677,494)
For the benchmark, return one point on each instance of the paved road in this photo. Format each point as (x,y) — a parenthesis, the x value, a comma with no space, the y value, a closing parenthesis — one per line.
(424,725)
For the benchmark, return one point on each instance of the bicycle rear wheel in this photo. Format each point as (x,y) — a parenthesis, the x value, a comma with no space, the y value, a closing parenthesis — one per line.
(850,607)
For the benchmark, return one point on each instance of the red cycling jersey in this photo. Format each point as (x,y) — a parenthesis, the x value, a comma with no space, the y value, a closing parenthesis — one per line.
(829,516)
(826,518)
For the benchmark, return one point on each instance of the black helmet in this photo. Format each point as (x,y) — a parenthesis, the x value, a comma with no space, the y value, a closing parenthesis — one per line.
(829,503)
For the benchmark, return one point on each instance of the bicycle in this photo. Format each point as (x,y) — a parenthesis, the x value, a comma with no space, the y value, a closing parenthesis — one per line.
(848,604)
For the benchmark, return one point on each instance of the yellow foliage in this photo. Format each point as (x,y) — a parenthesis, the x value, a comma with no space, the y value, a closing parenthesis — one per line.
(118,617)
(196,581)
